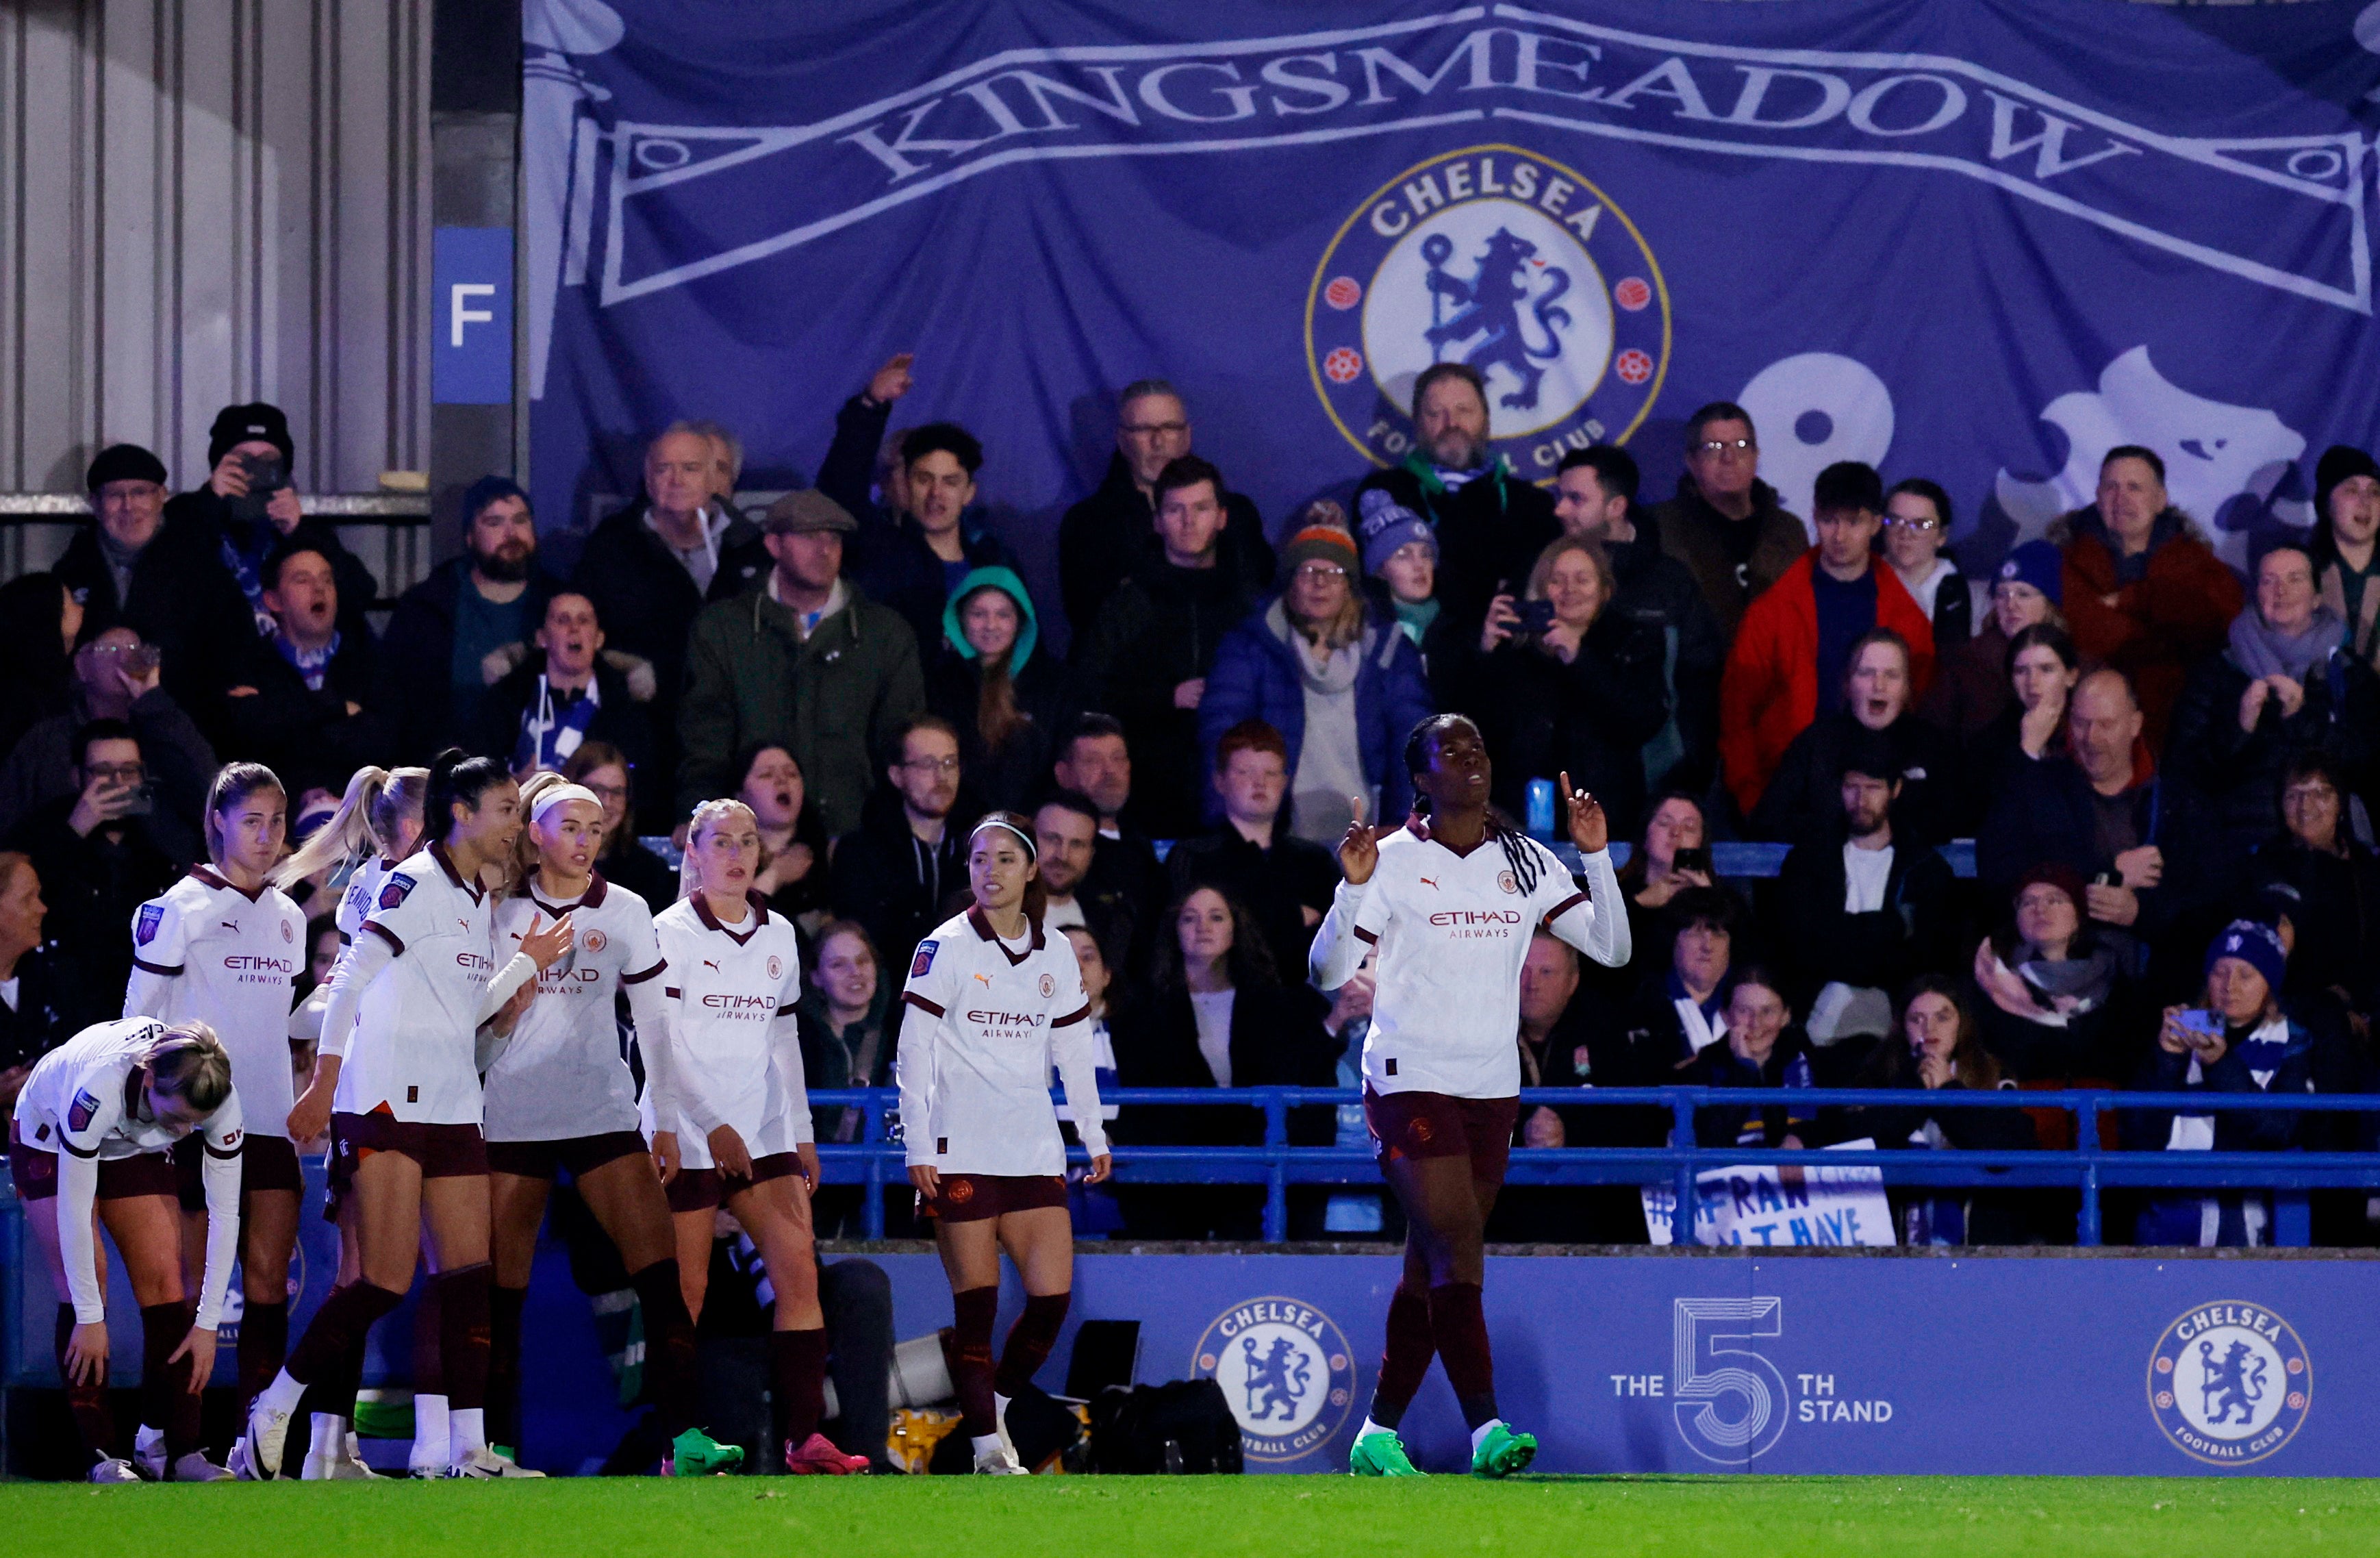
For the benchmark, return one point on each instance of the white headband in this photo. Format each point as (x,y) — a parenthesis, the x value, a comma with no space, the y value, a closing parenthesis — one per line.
(1032,850)
(547,800)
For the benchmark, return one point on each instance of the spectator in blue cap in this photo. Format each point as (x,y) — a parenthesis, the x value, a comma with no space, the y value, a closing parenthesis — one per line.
(1971,685)
(1401,582)
(2239,1039)
(457,632)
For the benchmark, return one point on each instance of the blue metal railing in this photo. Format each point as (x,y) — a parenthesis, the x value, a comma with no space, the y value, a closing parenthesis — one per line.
(876,1162)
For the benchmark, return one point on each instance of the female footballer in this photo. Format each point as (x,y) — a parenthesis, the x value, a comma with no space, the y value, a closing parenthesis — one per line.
(738,1128)
(405,1103)
(560,1096)
(221,947)
(1450,900)
(93,1127)
(996,999)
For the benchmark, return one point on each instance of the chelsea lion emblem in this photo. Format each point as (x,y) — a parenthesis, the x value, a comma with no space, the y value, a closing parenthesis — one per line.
(1287,1371)
(2229,1383)
(1513,263)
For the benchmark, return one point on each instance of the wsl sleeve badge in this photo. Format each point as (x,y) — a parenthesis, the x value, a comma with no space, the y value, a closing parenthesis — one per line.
(1288,1374)
(1506,260)
(2229,1383)
(394,890)
(145,929)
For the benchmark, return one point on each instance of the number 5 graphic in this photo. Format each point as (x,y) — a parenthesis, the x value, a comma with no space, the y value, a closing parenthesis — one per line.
(1701,1325)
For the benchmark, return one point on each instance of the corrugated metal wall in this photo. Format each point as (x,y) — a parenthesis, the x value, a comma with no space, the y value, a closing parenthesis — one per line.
(204,201)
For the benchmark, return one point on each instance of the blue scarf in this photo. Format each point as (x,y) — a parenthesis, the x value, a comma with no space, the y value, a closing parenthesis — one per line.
(311,665)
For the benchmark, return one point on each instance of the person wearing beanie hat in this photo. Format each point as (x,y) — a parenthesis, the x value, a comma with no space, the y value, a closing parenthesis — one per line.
(1401,582)
(1971,685)
(1006,700)
(1340,686)
(1386,527)
(2241,1039)
(2345,544)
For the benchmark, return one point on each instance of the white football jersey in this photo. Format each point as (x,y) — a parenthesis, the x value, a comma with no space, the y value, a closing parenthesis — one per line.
(205,950)
(563,1075)
(1452,930)
(735,1054)
(414,1044)
(83,1097)
(989,1019)
(362,889)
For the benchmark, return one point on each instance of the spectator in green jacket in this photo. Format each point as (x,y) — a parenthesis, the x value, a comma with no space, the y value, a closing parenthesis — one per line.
(805,663)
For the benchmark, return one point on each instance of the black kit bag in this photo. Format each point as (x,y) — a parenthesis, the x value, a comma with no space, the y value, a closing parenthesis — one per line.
(1185,1428)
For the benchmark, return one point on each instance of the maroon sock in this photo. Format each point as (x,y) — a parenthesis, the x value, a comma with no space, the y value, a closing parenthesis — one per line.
(166,1398)
(88,1403)
(976,1308)
(463,1335)
(1404,1360)
(1029,1340)
(1460,1327)
(263,1341)
(339,1327)
(797,1381)
(505,1305)
(673,1374)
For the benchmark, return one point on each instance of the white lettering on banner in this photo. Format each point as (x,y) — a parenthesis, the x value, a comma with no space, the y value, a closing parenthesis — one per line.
(1756,1204)
(1926,113)
(1730,1400)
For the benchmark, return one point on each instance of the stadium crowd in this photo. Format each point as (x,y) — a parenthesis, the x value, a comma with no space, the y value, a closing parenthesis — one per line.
(2166,769)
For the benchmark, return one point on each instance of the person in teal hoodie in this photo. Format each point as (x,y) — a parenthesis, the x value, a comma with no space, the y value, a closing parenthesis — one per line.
(1007,701)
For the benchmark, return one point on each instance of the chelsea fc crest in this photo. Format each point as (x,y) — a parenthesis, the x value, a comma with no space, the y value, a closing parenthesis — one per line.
(1287,1371)
(1508,261)
(2229,1383)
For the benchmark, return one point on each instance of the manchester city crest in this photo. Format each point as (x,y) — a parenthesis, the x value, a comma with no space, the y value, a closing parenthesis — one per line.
(1287,1371)
(1513,263)
(2229,1383)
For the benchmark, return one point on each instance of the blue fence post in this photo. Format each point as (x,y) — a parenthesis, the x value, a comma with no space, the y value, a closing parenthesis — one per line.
(2086,1141)
(871,1131)
(2292,1219)
(1682,1216)
(1276,1218)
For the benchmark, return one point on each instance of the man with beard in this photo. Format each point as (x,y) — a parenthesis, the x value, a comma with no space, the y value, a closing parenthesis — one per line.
(445,637)
(1491,523)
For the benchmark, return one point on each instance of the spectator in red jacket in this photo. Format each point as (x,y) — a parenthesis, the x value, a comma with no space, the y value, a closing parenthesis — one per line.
(1795,641)
(2145,593)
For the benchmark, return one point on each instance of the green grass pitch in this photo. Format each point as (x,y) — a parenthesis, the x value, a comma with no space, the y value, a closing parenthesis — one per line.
(1181,1517)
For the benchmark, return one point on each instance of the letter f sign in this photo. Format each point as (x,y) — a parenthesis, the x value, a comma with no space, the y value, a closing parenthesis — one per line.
(463,313)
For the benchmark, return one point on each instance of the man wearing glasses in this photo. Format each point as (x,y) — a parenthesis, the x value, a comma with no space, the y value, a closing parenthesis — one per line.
(892,872)
(1491,523)
(117,677)
(98,856)
(1724,524)
(1106,536)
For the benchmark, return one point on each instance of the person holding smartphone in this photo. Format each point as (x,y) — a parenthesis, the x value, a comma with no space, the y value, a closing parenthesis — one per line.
(1564,685)
(2239,1039)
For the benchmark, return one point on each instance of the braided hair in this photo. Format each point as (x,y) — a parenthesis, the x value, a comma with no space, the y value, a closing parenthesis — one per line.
(1523,854)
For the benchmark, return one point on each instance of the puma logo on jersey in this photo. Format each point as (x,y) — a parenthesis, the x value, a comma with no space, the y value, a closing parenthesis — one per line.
(710,964)
(232,926)
(985,978)
(1426,882)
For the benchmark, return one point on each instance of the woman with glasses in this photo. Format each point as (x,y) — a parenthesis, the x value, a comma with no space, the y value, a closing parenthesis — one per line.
(1916,527)
(603,770)
(1340,687)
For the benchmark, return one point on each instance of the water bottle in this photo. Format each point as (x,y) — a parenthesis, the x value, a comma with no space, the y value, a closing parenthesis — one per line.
(1541,809)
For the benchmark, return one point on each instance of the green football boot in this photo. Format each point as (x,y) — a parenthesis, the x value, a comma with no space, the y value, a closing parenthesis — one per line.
(696,1453)
(1381,1454)
(1502,1453)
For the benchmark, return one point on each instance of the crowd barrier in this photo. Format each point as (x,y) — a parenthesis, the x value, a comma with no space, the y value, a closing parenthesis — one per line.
(2090,1168)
